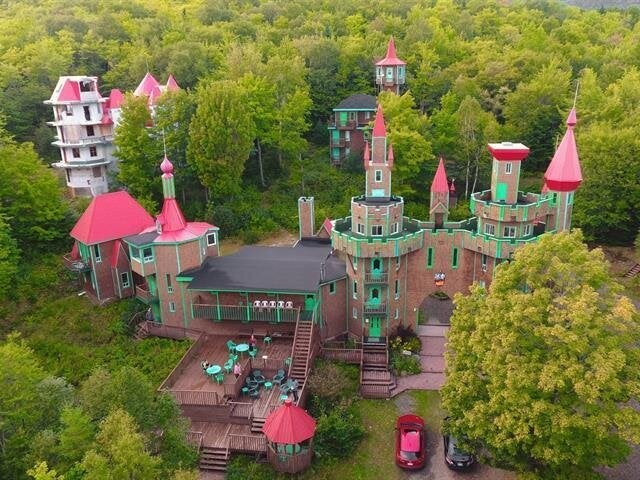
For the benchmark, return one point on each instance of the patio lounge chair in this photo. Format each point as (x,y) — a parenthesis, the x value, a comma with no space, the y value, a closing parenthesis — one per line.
(231,346)
(278,377)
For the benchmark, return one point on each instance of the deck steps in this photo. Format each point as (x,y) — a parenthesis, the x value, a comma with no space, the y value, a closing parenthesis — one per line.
(256,424)
(633,271)
(142,331)
(301,351)
(376,380)
(214,459)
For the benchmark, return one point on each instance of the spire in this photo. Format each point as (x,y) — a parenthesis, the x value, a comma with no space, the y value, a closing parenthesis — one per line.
(367,154)
(440,183)
(564,173)
(171,218)
(146,86)
(390,156)
(391,58)
(379,129)
(172,85)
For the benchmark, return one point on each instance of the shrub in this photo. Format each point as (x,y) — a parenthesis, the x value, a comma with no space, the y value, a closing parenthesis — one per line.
(245,467)
(405,364)
(330,384)
(338,433)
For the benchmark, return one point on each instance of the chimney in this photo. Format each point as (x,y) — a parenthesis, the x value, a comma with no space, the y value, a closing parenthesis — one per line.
(306,217)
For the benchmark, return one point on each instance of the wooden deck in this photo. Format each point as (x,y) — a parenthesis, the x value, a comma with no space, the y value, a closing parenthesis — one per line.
(214,350)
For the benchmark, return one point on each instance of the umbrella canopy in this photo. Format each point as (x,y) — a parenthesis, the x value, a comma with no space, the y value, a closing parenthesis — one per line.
(289,424)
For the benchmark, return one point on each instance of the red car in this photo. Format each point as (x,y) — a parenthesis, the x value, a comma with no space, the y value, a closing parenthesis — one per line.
(410,442)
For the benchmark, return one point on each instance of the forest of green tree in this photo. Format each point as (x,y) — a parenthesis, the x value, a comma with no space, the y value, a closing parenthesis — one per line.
(248,135)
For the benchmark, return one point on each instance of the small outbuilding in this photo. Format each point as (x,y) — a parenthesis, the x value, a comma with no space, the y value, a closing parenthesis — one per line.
(289,431)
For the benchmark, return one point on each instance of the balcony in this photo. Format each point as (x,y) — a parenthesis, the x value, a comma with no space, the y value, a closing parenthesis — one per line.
(75,264)
(80,142)
(380,277)
(527,207)
(244,313)
(348,125)
(340,143)
(375,308)
(143,293)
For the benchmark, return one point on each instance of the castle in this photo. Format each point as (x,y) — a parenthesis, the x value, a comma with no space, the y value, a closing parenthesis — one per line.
(362,276)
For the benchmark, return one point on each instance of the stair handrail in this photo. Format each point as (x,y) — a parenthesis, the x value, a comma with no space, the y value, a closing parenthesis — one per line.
(293,347)
(306,363)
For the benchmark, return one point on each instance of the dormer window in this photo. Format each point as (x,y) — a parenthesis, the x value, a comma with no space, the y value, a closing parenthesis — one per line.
(211,239)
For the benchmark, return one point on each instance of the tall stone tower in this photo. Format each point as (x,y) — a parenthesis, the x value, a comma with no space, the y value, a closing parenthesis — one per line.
(390,71)
(563,177)
(376,244)
(84,134)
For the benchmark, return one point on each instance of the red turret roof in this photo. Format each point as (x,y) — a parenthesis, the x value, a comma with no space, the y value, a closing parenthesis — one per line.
(564,173)
(70,92)
(146,86)
(379,130)
(115,99)
(391,58)
(172,85)
(289,425)
(154,95)
(111,216)
(440,183)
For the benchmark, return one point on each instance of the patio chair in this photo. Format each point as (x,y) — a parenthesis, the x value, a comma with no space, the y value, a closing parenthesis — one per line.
(233,357)
(272,304)
(251,383)
(253,392)
(256,303)
(278,377)
(257,376)
(280,303)
(287,361)
(264,303)
(219,377)
(231,346)
(253,353)
(288,304)
(228,366)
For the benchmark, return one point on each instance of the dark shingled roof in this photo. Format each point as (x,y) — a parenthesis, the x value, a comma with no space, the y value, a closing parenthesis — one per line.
(142,238)
(359,101)
(269,269)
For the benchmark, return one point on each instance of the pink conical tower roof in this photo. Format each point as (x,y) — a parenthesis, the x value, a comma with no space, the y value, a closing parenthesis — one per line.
(154,95)
(379,129)
(115,98)
(391,58)
(146,86)
(564,173)
(172,85)
(289,424)
(440,183)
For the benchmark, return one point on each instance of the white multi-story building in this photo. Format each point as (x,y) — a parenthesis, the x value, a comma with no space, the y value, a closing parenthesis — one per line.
(84,133)
(85,123)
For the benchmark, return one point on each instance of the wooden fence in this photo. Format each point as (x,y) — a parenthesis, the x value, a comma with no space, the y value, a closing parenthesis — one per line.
(170,331)
(348,355)
(247,443)
(196,397)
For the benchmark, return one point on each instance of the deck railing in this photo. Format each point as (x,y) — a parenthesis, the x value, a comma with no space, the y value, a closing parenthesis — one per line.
(195,439)
(373,308)
(75,264)
(188,356)
(376,277)
(244,313)
(267,363)
(145,295)
(289,463)
(348,355)
(196,397)
(247,443)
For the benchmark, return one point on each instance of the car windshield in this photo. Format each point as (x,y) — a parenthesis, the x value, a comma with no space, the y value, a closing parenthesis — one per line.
(410,456)
(454,451)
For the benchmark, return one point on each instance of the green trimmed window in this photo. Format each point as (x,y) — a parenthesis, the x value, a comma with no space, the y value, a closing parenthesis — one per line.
(125,280)
(211,239)
(147,254)
(430,256)
(96,253)
(332,288)
(378,175)
(169,284)
(454,258)
(172,307)
(135,253)
(397,289)
(355,289)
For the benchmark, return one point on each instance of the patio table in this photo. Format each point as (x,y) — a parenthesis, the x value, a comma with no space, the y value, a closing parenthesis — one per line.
(242,347)
(213,369)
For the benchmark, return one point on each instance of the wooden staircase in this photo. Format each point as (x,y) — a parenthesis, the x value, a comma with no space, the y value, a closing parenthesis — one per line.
(376,381)
(633,271)
(256,424)
(141,331)
(301,351)
(214,459)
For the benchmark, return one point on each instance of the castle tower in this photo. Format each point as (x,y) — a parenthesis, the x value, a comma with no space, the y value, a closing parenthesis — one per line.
(505,174)
(375,246)
(84,134)
(563,176)
(390,71)
(439,205)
